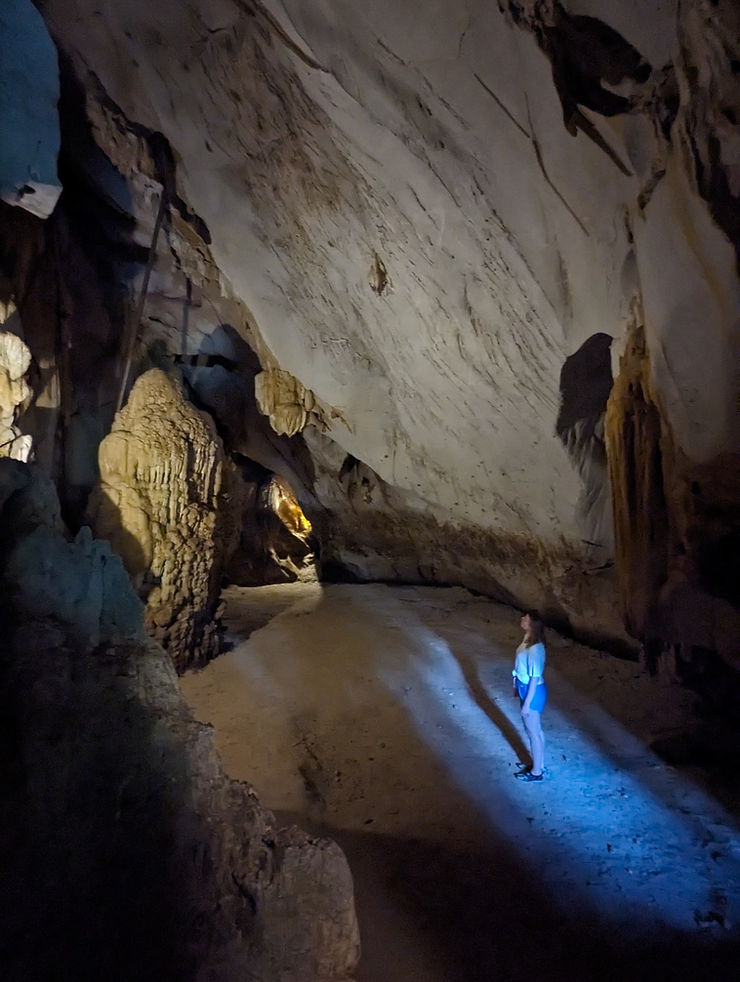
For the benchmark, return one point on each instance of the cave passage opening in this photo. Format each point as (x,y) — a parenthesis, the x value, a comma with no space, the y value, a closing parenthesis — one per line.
(276,541)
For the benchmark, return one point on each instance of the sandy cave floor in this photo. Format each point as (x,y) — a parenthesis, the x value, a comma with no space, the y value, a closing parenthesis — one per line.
(383,717)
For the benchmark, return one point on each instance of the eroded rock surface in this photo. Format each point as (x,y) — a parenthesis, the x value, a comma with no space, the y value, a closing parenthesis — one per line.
(677,555)
(425,224)
(289,406)
(126,852)
(15,394)
(163,504)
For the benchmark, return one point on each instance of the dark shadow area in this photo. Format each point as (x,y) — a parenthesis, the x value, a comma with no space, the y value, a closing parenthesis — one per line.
(585,383)
(96,829)
(489,707)
(483,915)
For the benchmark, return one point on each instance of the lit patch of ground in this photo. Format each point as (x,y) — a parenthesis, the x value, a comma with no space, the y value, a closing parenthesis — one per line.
(383,716)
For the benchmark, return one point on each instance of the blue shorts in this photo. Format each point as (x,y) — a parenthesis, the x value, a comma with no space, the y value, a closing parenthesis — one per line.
(538,699)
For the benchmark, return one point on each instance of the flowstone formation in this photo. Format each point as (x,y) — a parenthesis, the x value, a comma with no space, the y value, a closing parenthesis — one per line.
(288,404)
(15,393)
(164,505)
(126,852)
(677,553)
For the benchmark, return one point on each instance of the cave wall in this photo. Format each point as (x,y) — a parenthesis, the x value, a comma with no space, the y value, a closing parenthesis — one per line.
(421,220)
(676,531)
(126,851)
(29,92)
(395,251)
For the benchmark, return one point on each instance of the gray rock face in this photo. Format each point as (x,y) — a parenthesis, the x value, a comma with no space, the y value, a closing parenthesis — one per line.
(79,585)
(126,852)
(29,92)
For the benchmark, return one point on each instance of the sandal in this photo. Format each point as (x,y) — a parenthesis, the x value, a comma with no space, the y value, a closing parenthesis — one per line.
(529,776)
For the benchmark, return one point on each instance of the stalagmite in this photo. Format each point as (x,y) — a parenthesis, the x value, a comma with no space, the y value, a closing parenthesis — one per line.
(162,473)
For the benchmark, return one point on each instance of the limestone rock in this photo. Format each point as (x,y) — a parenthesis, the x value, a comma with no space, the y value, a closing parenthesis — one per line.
(126,851)
(288,403)
(15,357)
(677,554)
(162,503)
(515,176)
(371,531)
(15,394)
(79,584)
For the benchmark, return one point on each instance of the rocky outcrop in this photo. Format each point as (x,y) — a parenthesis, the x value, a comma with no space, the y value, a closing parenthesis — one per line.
(369,530)
(77,584)
(126,851)
(15,394)
(164,505)
(288,404)
(275,538)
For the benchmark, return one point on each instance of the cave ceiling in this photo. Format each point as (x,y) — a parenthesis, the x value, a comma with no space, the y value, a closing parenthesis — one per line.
(432,212)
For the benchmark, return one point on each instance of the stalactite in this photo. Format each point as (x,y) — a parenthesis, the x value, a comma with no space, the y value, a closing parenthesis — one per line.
(675,530)
(641,525)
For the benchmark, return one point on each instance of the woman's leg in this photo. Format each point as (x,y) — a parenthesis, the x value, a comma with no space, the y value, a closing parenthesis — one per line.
(533,725)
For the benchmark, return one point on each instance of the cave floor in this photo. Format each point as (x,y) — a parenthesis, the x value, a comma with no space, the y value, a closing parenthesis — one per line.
(383,717)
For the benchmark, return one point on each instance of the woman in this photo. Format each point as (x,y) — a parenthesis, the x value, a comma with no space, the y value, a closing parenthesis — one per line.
(529,685)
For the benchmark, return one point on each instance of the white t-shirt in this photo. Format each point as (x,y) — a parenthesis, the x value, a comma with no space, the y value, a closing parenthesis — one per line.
(530,663)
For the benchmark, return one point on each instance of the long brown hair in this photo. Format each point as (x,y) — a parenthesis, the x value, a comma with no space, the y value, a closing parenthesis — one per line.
(536,632)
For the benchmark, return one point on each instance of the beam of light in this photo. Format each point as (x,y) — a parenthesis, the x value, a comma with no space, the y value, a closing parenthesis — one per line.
(612,832)
(610,819)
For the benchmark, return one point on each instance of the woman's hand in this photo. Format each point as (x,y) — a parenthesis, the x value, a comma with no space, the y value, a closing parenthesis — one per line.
(526,711)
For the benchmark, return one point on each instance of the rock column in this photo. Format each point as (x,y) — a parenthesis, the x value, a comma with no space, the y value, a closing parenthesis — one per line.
(162,503)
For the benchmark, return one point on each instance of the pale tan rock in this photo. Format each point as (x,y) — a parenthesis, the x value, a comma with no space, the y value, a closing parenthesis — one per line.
(14,355)
(161,503)
(15,392)
(289,404)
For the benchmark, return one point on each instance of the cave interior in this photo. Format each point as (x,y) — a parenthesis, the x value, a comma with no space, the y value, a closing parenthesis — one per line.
(332,338)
